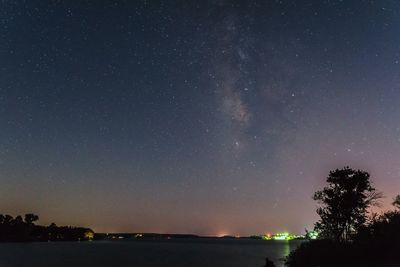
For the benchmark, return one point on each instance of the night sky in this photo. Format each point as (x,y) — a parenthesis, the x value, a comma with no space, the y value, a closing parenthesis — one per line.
(205,117)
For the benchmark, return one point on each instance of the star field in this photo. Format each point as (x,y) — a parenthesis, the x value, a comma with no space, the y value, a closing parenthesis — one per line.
(194,116)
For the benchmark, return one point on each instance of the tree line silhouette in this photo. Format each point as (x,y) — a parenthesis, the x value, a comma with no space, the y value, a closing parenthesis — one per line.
(348,234)
(20,229)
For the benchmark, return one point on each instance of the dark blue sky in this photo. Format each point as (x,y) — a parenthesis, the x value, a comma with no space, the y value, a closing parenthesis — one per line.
(206,117)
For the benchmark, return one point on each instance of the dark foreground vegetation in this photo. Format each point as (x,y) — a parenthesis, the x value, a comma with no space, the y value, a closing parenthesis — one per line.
(349,235)
(20,229)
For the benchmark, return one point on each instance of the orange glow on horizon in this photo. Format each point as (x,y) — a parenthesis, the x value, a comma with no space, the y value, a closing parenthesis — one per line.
(221,234)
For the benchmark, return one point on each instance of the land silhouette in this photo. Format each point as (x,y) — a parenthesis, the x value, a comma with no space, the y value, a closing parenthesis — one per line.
(20,229)
(348,234)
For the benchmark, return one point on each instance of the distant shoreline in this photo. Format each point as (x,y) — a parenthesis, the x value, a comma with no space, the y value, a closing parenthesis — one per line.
(138,236)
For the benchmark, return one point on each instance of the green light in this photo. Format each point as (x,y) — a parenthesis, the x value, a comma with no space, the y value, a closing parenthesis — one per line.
(313,235)
(281,236)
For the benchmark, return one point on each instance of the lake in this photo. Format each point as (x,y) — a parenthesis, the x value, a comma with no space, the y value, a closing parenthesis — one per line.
(143,253)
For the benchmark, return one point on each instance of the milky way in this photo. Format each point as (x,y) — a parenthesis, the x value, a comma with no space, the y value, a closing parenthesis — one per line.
(219,117)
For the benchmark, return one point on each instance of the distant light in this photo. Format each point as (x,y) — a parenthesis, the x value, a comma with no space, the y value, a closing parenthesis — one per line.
(89,235)
(312,235)
(281,236)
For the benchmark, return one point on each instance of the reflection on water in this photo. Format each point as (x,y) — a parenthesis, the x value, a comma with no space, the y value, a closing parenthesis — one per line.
(143,253)
(286,247)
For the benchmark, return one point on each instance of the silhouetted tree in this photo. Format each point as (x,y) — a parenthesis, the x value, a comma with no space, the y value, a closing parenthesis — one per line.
(374,243)
(18,220)
(8,219)
(344,203)
(22,230)
(384,228)
(396,202)
(30,218)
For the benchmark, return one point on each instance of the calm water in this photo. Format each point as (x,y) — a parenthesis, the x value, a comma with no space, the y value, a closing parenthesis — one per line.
(177,253)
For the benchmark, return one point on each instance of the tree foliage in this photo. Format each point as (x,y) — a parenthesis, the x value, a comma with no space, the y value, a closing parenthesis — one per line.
(344,203)
(31,218)
(396,202)
(375,244)
(22,230)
